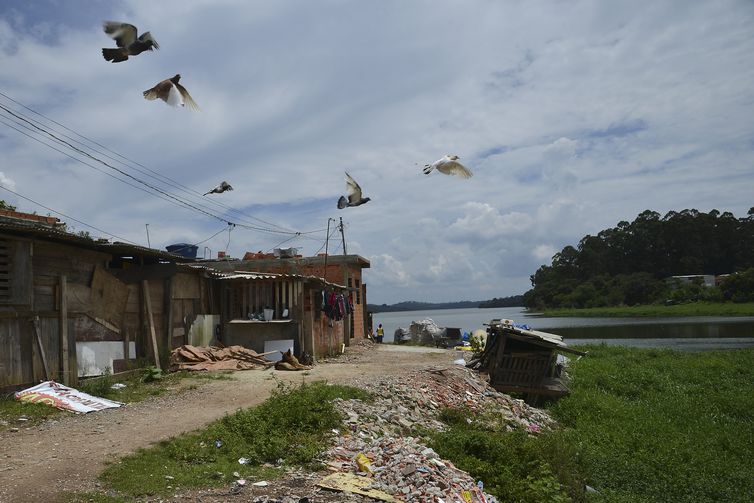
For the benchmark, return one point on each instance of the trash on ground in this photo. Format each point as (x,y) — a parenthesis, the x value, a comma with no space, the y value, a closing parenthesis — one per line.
(65,398)
(352,483)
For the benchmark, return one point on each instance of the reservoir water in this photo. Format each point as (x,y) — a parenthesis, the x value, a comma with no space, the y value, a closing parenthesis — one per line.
(696,333)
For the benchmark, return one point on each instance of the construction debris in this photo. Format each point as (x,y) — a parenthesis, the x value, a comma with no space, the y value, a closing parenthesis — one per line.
(401,465)
(214,358)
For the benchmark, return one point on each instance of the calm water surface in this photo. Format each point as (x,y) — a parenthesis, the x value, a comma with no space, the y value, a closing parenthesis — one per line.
(689,333)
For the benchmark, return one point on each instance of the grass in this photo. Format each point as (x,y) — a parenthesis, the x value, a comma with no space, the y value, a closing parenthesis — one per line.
(291,428)
(691,309)
(658,425)
(639,426)
(514,466)
(139,387)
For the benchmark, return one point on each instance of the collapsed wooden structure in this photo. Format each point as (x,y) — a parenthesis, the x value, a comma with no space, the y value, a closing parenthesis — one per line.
(520,360)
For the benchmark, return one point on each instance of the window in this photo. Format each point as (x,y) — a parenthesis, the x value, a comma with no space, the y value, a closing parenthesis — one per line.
(5,270)
(15,272)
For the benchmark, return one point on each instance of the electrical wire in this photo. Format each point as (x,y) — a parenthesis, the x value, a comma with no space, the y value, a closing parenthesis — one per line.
(69,217)
(198,243)
(158,192)
(324,243)
(175,183)
(282,242)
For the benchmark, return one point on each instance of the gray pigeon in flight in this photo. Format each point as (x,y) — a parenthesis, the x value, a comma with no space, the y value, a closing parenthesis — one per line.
(448,165)
(354,194)
(124,35)
(172,93)
(220,188)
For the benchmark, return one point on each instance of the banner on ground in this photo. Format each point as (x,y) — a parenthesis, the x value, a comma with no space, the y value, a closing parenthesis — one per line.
(63,397)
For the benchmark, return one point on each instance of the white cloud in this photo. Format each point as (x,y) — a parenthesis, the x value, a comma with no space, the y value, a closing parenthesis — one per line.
(388,271)
(572,116)
(7,182)
(544,253)
(482,220)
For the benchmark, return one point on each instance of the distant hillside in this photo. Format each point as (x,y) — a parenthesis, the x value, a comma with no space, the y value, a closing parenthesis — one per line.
(513,301)
(423,306)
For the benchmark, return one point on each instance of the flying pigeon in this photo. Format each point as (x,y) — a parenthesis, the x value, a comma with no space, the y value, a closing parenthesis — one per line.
(124,35)
(354,194)
(172,93)
(220,188)
(448,165)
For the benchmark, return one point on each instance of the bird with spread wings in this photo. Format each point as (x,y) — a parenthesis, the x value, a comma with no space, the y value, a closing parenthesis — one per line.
(354,194)
(172,93)
(128,43)
(448,165)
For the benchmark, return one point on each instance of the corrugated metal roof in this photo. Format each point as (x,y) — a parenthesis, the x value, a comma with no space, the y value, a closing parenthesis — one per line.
(545,337)
(258,276)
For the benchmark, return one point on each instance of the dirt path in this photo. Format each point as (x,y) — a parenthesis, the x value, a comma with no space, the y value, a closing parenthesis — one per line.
(64,455)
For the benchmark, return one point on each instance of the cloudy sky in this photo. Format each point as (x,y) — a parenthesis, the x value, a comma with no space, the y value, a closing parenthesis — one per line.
(572,115)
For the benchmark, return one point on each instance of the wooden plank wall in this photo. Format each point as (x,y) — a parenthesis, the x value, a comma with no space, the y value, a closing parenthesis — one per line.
(100,307)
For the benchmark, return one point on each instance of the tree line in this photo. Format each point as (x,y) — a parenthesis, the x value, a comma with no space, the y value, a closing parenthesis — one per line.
(631,263)
(516,300)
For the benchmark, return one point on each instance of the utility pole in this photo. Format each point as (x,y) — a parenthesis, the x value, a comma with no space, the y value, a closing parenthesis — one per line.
(347,319)
(327,242)
(148,244)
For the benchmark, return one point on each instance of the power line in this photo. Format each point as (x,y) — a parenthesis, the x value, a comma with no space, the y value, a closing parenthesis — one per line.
(161,193)
(158,176)
(68,217)
(94,158)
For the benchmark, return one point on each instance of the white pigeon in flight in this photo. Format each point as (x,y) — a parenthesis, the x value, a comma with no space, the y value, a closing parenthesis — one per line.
(354,194)
(448,165)
(220,188)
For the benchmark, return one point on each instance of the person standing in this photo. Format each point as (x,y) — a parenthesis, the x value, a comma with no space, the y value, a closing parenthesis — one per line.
(380,334)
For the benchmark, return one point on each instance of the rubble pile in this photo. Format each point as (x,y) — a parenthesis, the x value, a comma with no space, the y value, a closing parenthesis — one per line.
(374,444)
(418,398)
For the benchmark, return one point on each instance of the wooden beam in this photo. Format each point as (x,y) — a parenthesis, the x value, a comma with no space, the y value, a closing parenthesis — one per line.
(63,330)
(168,310)
(41,348)
(150,320)
(127,348)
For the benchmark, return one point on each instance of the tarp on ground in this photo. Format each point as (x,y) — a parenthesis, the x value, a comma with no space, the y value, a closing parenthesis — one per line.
(65,398)
(189,357)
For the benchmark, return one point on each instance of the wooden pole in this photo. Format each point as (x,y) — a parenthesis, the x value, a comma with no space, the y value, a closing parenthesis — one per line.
(127,348)
(150,320)
(168,294)
(41,348)
(63,325)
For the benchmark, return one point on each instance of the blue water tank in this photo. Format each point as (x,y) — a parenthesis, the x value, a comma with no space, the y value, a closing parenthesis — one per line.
(183,249)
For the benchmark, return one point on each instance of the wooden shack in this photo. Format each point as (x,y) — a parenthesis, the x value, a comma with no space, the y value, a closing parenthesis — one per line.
(520,360)
(67,300)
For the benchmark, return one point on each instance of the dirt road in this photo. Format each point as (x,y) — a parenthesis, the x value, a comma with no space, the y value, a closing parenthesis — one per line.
(66,455)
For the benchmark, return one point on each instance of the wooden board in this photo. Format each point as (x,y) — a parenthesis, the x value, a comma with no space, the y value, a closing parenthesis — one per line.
(186,286)
(89,329)
(109,296)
